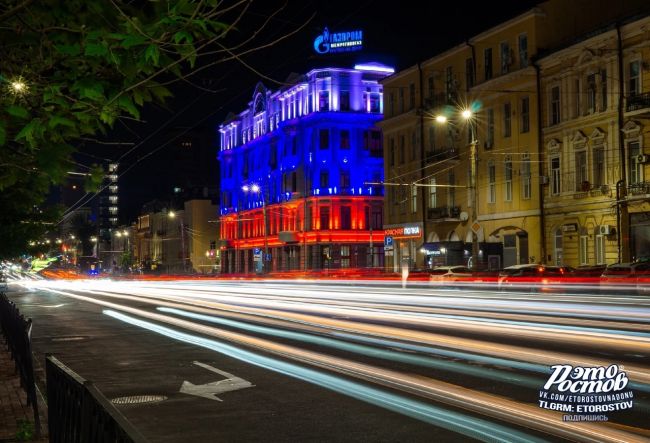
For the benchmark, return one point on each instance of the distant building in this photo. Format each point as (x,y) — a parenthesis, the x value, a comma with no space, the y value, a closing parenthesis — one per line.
(177,241)
(301,169)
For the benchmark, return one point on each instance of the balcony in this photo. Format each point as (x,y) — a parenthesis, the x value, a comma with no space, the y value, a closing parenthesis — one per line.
(642,188)
(638,104)
(441,154)
(442,213)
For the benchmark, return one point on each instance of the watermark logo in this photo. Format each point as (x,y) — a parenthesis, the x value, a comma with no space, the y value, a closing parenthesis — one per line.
(586,393)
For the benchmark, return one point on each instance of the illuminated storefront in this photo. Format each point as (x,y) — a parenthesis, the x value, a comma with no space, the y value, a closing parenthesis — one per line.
(299,174)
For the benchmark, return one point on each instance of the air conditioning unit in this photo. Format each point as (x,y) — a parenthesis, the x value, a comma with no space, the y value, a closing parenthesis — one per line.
(543,179)
(643,158)
(604,229)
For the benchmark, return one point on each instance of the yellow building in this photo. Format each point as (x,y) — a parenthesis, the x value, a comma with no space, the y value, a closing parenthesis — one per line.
(596,200)
(428,167)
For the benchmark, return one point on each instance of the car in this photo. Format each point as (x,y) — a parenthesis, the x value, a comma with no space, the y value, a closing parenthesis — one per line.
(532,277)
(626,278)
(445,274)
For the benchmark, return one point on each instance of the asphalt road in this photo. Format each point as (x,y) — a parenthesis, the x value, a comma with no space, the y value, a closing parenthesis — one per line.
(340,362)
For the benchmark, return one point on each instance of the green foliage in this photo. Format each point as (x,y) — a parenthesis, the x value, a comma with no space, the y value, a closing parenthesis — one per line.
(85,64)
(25,430)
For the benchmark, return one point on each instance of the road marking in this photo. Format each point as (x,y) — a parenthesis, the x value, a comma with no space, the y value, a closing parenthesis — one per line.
(210,390)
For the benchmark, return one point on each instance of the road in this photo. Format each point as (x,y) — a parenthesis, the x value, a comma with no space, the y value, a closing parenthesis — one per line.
(340,361)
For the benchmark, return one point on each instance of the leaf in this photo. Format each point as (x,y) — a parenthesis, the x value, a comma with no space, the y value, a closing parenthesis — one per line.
(133,40)
(30,132)
(126,103)
(18,111)
(152,53)
(183,35)
(57,120)
(72,50)
(3,133)
(89,88)
(160,93)
(96,50)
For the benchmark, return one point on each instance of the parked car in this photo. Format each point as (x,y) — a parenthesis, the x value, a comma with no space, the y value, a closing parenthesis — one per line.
(627,278)
(532,277)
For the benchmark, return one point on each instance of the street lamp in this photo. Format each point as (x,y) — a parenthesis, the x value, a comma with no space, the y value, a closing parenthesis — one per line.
(469,118)
(255,188)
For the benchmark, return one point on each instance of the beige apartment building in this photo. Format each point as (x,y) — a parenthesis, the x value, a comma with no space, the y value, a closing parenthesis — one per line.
(430,207)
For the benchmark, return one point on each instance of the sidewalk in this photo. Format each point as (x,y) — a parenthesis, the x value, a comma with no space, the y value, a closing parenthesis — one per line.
(16,418)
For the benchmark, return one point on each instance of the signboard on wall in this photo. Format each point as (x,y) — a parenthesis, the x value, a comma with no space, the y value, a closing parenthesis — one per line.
(345,41)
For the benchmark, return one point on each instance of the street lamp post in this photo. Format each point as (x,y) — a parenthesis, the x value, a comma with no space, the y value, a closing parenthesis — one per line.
(172,214)
(468,116)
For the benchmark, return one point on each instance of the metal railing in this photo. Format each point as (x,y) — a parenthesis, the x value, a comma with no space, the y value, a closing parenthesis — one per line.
(18,331)
(443,212)
(638,101)
(78,412)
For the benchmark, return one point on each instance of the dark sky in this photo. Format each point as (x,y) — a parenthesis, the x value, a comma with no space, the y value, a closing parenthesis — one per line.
(395,33)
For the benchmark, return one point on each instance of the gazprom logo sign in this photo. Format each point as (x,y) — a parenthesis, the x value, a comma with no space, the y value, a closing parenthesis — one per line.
(346,41)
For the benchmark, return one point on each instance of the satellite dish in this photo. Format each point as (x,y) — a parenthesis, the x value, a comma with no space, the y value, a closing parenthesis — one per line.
(464,216)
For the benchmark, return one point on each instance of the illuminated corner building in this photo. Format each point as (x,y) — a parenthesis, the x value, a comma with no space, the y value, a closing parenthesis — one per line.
(108,203)
(311,158)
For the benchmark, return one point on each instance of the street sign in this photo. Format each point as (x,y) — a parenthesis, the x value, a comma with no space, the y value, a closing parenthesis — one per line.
(257,254)
(268,257)
(388,241)
(476,227)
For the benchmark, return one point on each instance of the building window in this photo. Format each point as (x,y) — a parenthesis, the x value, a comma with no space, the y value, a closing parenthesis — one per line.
(489,142)
(324,101)
(411,96)
(487,54)
(599,165)
(345,256)
(635,175)
(469,73)
(591,93)
(294,145)
(346,217)
(578,99)
(414,199)
(526,177)
(525,114)
(492,182)
(403,199)
(324,179)
(508,178)
(324,217)
(344,100)
(430,87)
(634,78)
(373,106)
(324,137)
(555,176)
(507,120)
(273,154)
(413,146)
(401,100)
(506,57)
(584,259)
(599,247)
(451,190)
(449,85)
(376,146)
(523,51)
(345,179)
(345,139)
(432,137)
(433,193)
(391,153)
(402,142)
(603,90)
(391,104)
(582,179)
(555,105)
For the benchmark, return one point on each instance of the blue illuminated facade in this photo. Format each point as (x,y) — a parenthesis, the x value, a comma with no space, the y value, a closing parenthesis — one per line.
(300,174)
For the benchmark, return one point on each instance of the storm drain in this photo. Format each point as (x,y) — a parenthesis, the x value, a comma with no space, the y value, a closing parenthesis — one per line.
(138,399)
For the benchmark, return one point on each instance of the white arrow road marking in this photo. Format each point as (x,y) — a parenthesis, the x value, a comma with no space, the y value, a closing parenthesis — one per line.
(210,390)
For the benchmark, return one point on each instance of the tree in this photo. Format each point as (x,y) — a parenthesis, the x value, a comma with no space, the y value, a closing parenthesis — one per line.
(71,69)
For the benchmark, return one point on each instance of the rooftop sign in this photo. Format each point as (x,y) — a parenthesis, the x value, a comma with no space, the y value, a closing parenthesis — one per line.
(345,41)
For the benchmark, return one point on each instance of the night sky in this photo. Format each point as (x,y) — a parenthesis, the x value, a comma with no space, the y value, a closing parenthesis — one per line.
(398,34)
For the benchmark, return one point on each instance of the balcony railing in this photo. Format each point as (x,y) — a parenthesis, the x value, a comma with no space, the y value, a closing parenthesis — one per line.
(443,212)
(638,188)
(638,102)
(442,154)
